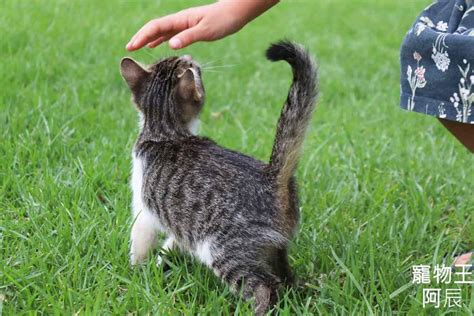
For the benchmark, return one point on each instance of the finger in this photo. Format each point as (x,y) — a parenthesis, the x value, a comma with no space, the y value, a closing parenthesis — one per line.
(142,29)
(129,44)
(147,33)
(186,37)
(158,41)
(155,29)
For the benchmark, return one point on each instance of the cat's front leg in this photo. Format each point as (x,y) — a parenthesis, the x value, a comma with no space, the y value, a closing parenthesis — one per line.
(168,245)
(143,237)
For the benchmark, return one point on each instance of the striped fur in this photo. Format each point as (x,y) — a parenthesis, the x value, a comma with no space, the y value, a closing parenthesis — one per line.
(225,208)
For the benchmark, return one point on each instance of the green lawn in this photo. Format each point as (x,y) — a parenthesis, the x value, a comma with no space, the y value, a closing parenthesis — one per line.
(381,189)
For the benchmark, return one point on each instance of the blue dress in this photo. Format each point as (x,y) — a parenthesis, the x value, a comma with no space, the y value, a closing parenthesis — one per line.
(437,62)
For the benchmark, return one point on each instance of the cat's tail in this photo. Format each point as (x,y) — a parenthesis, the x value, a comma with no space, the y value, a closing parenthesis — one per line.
(296,112)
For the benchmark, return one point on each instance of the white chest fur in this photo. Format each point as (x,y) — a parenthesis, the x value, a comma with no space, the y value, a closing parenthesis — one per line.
(138,205)
(136,185)
(145,223)
(193,126)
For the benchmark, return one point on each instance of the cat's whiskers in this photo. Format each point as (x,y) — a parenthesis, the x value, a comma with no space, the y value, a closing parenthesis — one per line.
(218,66)
(210,62)
(218,71)
(149,54)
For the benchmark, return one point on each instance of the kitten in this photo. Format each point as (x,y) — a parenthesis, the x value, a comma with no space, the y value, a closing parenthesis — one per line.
(234,213)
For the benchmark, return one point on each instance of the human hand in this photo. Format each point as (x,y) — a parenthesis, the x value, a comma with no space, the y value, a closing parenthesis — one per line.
(204,23)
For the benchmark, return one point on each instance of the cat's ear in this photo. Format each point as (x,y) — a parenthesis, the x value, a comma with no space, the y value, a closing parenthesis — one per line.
(134,74)
(190,87)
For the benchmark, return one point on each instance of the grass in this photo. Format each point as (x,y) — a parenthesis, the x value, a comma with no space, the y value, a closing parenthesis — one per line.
(381,189)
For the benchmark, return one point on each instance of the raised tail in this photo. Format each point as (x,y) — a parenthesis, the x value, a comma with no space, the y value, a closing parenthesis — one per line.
(296,112)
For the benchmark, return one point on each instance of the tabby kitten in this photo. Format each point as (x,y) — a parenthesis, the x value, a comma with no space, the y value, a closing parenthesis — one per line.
(234,213)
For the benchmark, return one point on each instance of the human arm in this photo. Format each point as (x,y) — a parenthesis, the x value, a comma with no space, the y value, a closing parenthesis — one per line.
(203,23)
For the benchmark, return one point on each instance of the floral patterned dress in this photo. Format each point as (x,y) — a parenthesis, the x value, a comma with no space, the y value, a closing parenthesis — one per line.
(437,60)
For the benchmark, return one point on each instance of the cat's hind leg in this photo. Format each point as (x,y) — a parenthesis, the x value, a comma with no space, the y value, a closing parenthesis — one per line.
(251,279)
(143,236)
(282,267)
(258,283)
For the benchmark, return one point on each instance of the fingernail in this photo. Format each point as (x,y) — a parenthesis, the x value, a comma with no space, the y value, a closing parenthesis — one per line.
(175,43)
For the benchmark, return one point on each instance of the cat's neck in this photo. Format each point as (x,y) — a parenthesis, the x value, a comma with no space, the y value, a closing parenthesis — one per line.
(166,133)
(160,129)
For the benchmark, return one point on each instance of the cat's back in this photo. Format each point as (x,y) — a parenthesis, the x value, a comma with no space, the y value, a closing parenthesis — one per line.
(197,169)
(202,155)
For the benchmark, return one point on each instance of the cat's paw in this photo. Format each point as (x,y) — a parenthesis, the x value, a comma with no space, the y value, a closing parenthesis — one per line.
(161,263)
(133,260)
(167,246)
(159,260)
(136,259)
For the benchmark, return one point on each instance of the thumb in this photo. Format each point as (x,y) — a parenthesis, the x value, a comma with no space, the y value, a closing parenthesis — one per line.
(186,37)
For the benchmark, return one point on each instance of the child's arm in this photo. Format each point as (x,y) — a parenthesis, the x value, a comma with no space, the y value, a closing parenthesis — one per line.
(205,23)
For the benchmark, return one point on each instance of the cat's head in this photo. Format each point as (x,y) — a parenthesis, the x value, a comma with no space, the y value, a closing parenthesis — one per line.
(169,93)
